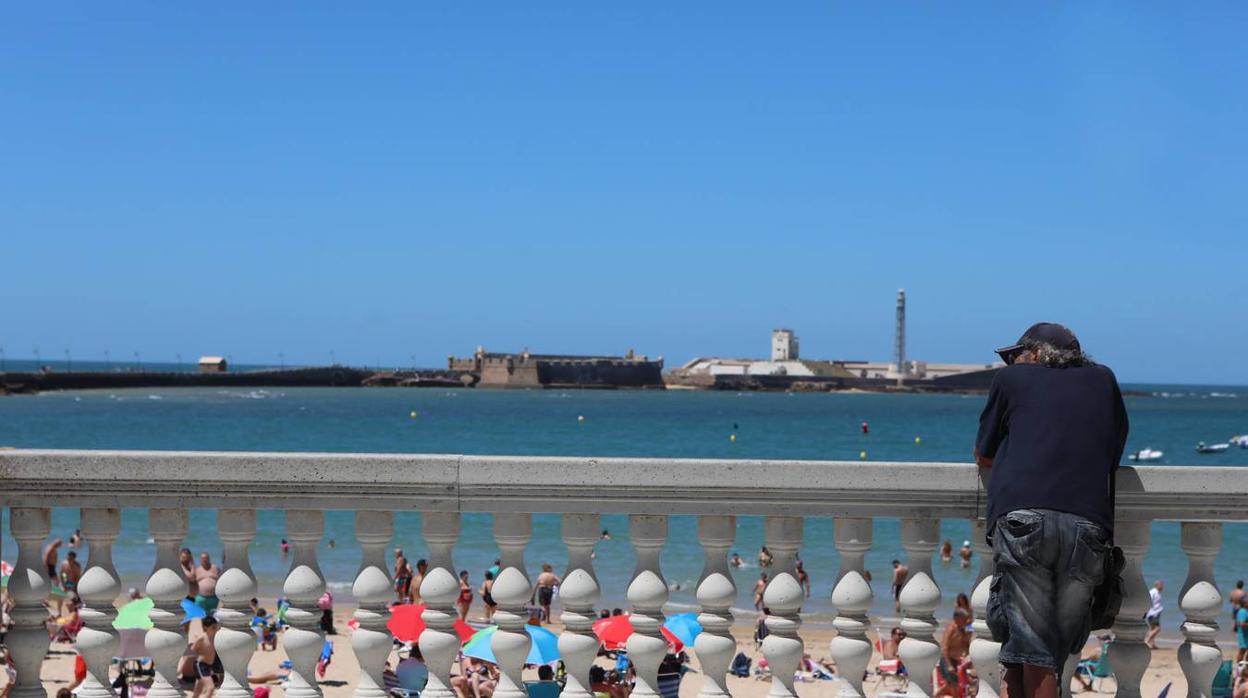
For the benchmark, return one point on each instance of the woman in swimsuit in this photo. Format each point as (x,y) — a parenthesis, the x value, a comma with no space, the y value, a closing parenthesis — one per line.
(465,595)
(486,587)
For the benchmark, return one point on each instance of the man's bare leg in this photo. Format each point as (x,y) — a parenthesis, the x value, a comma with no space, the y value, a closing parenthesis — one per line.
(1012,683)
(1039,682)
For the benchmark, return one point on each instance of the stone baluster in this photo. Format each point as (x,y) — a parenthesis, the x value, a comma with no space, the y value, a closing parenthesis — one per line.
(647,593)
(715,645)
(166,587)
(439,644)
(984,650)
(783,647)
(512,591)
(579,594)
(1130,656)
(98,588)
(919,599)
(1199,655)
(235,642)
(852,597)
(28,587)
(372,591)
(304,585)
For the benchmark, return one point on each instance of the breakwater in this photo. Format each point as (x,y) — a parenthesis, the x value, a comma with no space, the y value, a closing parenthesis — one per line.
(309,377)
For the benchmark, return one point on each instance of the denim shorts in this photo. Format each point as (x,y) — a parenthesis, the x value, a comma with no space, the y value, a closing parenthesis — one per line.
(1047,565)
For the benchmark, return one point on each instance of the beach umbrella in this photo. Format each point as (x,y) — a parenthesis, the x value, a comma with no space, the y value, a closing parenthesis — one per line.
(134,615)
(192,611)
(613,633)
(684,626)
(543,650)
(130,644)
(406,624)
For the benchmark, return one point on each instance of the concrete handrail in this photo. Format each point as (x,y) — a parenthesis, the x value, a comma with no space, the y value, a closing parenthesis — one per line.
(364,482)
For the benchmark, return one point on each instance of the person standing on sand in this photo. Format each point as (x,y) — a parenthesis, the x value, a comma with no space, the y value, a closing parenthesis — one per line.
(487,596)
(464,602)
(1153,617)
(1052,432)
(759,587)
(402,576)
(546,583)
(900,572)
(803,578)
(206,660)
(206,576)
(1241,629)
(418,578)
(1236,597)
(71,572)
(187,561)
(955,644)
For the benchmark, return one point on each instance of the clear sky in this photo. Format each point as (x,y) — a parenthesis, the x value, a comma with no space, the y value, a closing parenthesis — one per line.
(384,180)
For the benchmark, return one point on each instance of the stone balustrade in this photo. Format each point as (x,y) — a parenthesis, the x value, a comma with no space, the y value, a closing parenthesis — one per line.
(441,487)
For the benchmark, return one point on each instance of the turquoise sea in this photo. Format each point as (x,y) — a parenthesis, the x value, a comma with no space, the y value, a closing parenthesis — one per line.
(676,424)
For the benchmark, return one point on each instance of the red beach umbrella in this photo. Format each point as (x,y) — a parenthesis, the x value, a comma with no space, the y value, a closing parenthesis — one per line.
(406,624)
(613,633)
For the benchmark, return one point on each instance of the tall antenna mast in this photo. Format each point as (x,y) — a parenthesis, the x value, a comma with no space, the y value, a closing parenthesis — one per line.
(900,348)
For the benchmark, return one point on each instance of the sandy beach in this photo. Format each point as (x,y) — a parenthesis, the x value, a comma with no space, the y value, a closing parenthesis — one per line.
(341,676)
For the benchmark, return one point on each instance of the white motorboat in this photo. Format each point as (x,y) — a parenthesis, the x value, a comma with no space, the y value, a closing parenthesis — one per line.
(1241,441)
(1145,455)
(1202,447)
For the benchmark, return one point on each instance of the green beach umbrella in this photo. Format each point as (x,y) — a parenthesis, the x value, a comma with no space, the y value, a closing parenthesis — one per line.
(133,616)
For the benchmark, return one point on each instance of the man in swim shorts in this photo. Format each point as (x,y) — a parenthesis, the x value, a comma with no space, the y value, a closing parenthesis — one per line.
(206,660)
(546,583)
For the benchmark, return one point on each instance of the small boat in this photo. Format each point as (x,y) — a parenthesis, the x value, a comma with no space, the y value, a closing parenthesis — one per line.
(1147,454)
(1241,441)
(1202,447)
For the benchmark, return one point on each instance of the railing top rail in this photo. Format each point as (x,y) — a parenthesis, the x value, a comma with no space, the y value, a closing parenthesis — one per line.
(437,482)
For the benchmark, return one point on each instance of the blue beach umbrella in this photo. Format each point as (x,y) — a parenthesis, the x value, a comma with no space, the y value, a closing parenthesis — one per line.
(192,611)
(543,650)
(685,627)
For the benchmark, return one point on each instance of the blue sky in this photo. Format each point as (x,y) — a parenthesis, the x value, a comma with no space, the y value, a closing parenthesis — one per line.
(399,179)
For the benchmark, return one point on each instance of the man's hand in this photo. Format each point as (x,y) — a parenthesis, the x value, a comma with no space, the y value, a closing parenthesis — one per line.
(982,461)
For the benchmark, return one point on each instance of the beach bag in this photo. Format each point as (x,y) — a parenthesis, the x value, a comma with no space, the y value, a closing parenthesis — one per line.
(1107,597)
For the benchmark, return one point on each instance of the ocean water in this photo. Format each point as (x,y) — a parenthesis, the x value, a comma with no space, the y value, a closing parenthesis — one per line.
(675,424)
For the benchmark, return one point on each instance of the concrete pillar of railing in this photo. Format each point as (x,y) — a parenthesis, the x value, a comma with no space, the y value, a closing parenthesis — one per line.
(647,593)
(166,587)
(512,591)
(98,588)
(579,594)
(852,597)
(984,650)
(1199,655)
(28,587)
(715,645)
(783,596)
(439,644)
(234,642)
(919,599)
(1130,656)
(372,591)
(304,585)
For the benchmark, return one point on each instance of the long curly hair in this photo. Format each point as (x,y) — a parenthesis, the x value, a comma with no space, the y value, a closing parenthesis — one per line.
(1051,356)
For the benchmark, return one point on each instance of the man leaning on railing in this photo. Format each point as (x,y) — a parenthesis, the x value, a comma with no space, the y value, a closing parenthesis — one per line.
(1053,431)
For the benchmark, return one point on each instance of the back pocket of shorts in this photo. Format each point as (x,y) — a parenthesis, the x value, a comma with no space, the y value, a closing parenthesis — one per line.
(1087,558)
(1021,533)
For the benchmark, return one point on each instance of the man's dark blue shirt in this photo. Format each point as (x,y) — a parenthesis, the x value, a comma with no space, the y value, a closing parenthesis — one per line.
(1055,435)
